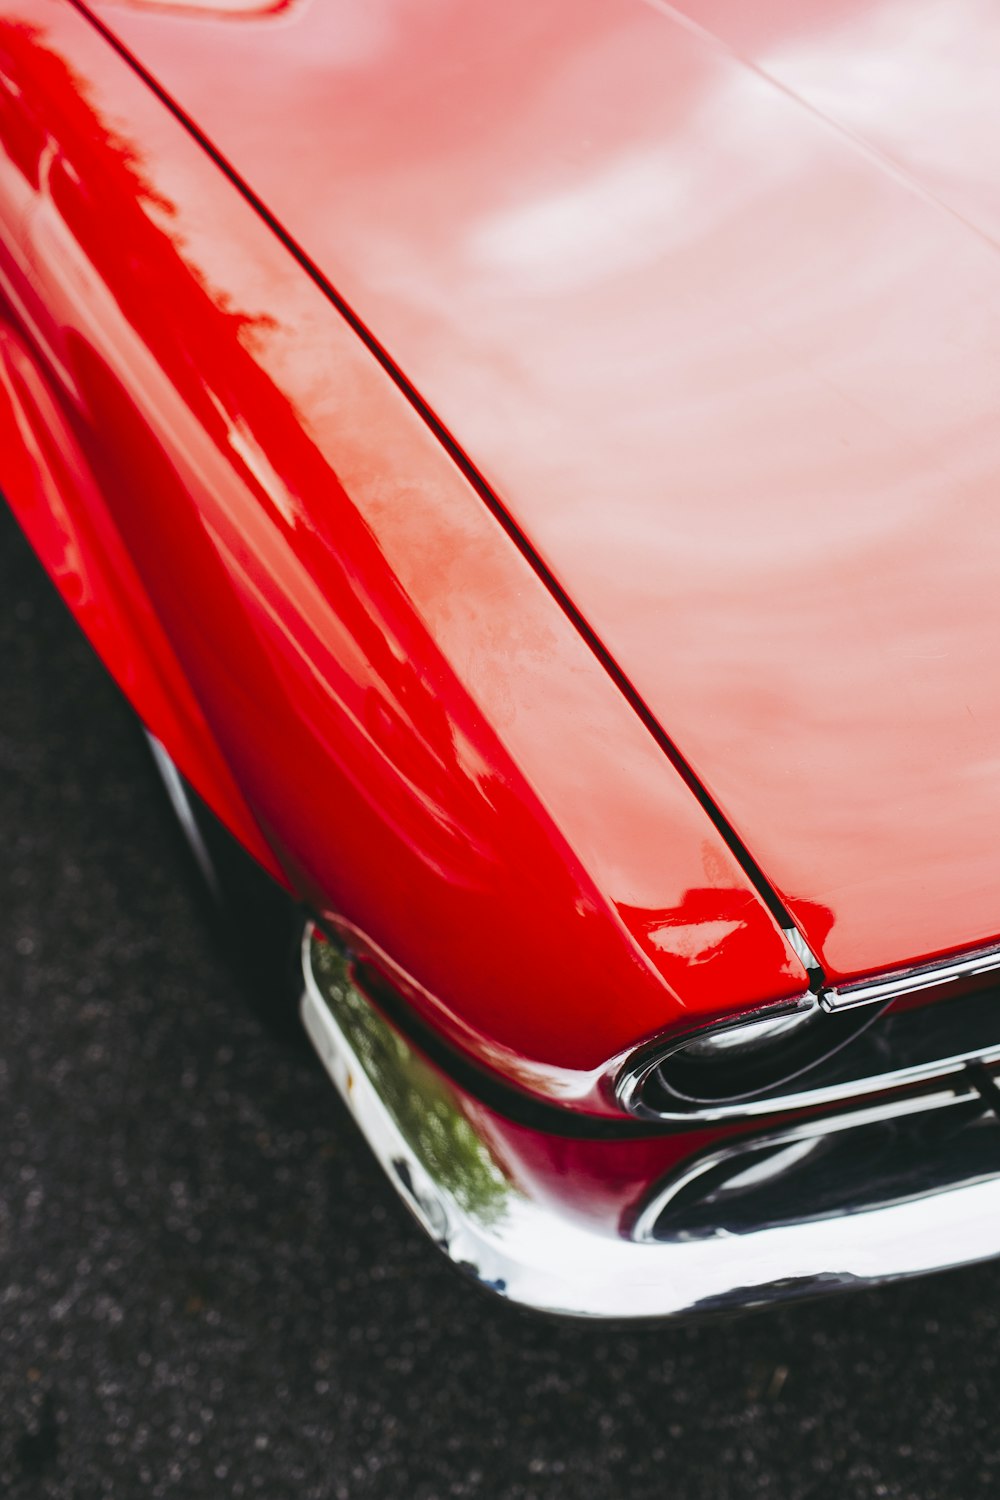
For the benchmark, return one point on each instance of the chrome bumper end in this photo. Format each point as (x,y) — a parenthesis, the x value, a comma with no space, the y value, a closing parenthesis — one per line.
(441,1150)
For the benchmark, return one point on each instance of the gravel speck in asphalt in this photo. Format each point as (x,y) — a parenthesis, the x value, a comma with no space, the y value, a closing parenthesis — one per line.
(207,1288)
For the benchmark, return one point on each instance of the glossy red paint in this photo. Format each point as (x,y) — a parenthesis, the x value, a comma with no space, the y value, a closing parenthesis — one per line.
(710,295)
(436,758)
(47,481)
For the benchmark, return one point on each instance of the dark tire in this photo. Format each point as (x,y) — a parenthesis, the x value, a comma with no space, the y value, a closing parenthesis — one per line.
(257,923)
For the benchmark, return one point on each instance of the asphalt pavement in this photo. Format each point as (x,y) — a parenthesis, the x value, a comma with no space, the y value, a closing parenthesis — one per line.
(207,1288)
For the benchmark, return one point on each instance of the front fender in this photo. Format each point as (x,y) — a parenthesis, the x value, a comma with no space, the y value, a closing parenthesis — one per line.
(435,757)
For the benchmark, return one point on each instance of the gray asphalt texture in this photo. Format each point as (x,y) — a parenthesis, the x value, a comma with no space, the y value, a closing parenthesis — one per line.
(207,1288)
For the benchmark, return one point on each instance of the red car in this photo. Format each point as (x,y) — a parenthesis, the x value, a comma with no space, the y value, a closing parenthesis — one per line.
(533,470)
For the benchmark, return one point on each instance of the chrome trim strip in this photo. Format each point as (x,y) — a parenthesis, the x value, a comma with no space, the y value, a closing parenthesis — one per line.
(909,981)
(779,1104)
(431,1141)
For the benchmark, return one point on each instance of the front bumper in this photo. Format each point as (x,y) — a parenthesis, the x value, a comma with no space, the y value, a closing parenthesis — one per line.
(603,1228)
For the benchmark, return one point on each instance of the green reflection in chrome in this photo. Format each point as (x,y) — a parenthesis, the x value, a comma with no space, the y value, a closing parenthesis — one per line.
(421,1102)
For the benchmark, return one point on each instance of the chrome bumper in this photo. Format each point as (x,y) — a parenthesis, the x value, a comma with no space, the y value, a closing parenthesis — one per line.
(448,1160)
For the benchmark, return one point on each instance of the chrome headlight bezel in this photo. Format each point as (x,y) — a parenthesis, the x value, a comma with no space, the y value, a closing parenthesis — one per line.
(738,1059)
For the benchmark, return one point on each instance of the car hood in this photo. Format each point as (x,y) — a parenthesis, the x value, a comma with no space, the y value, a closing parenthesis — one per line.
(712,302)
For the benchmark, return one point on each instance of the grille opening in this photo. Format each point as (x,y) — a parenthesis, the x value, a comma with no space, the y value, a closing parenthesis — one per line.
(800,1176)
